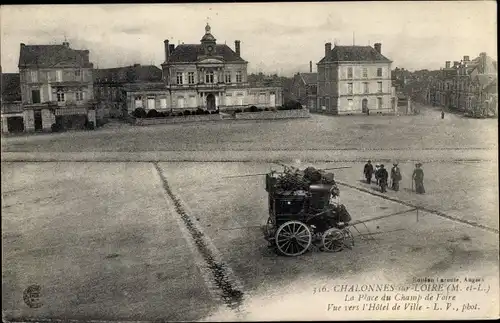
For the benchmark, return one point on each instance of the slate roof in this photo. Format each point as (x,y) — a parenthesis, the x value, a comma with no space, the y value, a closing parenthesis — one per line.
(11,87)
(485,79)
(128,74)
(188,53)
(354,54)
(309,78)
(51,55)
(492,87)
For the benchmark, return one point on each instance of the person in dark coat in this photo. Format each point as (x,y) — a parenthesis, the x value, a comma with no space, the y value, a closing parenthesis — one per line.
(442,114)
(368,171)
(418,177)
(395,176)
(382,177)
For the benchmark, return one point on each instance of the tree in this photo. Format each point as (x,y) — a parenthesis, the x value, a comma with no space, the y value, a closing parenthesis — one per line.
(152,114)
(139,113)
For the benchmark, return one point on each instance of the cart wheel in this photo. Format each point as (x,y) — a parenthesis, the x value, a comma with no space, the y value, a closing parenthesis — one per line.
(293,238)
(333,240)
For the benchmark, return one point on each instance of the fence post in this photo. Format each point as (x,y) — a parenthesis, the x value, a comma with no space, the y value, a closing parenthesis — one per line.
(417,214)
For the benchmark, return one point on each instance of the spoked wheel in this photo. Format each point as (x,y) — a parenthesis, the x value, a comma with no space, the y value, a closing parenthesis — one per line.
(333,240)
(293,238)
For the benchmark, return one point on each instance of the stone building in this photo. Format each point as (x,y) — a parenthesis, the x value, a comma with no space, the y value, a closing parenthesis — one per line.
(355,79)
(56,86)
(12,109)
(304,88)
(207,76)
(114,87)
(467,86)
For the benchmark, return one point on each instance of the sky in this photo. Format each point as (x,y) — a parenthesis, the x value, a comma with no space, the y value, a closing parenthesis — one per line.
(275,37)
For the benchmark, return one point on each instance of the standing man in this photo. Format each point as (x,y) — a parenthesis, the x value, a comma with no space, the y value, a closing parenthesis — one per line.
(368,171)
(442,114)
(382,178)
(395,176)
(418,177)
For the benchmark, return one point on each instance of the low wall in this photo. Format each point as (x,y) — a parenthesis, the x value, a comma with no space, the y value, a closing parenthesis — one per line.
(170,120)
(388,111)
(280,114)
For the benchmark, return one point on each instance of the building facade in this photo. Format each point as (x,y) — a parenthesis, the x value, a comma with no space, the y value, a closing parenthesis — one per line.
(304,88)
(11,107)
(468,86)
(116,88)
(207,75)
(56,86)
(355,80)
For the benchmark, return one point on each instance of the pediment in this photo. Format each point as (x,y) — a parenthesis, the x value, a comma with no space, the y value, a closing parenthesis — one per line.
(210,61)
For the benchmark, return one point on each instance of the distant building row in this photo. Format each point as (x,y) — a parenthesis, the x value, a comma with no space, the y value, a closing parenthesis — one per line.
(467,86)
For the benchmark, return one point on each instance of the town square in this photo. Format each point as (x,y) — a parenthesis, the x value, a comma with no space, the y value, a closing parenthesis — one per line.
(139,191)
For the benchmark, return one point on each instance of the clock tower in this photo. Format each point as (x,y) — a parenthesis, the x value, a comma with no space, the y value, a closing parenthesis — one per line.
(208,42)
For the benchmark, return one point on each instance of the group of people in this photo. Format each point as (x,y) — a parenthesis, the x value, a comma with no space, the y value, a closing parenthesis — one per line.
(382,176)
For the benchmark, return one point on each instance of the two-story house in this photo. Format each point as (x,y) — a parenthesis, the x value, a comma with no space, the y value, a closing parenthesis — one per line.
(355,79)
(112,86)
(209,76)
(56,86)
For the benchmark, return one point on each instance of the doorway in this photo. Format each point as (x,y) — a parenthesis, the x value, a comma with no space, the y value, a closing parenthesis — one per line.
(38,121)
(364,106)
(211,102)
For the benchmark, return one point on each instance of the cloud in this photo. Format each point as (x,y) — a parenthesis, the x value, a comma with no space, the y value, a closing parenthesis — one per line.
(280,35)
(130,30)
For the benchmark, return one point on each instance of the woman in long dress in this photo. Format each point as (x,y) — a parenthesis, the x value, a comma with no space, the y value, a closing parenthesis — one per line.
(418,177)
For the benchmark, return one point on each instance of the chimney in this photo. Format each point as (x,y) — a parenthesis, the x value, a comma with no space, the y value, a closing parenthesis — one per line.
(328,49)
(86,56)
(447,64)
(310,66)
(378,47)
(466,58)
(167,49)
(66,44)
(482,62)
(237,47)
(171,48)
